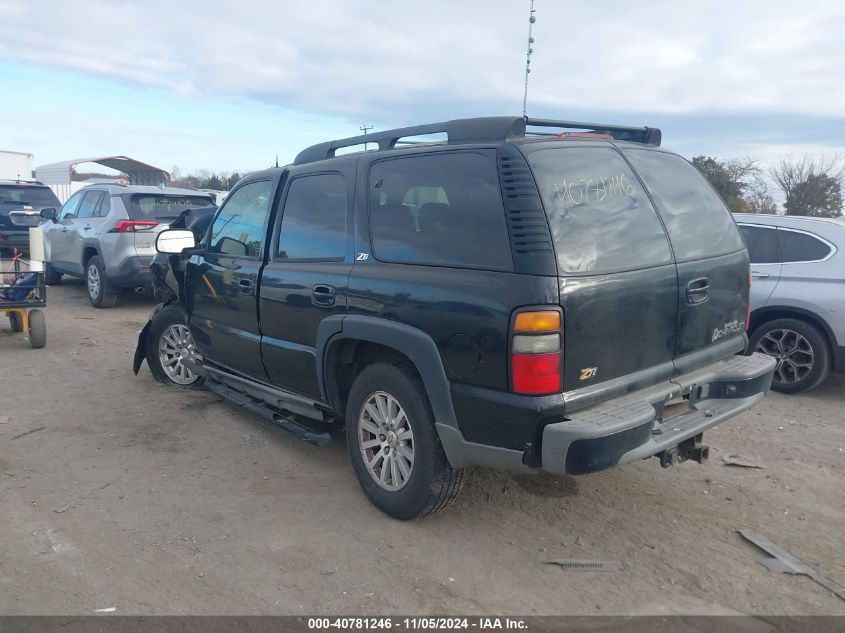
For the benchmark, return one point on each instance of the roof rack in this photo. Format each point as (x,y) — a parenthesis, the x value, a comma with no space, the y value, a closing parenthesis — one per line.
(478,129)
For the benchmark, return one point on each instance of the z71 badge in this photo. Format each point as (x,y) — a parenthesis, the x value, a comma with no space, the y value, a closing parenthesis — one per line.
(588,372)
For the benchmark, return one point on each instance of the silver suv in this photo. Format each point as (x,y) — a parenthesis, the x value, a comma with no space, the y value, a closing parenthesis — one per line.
(797,298)
(106,233)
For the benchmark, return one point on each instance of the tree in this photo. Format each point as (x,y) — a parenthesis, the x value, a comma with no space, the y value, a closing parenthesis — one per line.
(730,178)
(233,179)
(811,185)
(758,199)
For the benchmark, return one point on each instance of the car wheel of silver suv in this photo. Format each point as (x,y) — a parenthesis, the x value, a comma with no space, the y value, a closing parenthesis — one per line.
(100,292)
(801,352)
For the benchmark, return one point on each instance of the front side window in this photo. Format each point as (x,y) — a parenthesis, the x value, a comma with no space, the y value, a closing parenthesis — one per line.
(800,247)
(600,217)
(698,222)
(68,211)
(762,244)
(238,229)
(314,219)
(440,210)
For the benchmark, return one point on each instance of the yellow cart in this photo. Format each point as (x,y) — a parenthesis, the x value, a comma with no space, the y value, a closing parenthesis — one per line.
(22,295)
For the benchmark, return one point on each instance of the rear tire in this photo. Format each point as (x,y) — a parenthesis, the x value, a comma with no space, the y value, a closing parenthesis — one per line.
(15,322)
(37,329)
(404,489)
(801,351)
(100,292)
(168,341)
(51,276)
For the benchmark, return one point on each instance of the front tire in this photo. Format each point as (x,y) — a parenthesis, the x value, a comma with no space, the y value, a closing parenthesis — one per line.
(100,292)
(169,345)
(395,450)
(801,350)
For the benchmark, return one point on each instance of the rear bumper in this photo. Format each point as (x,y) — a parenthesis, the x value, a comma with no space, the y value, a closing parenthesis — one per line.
(633,427)
(14,239)
(133,272)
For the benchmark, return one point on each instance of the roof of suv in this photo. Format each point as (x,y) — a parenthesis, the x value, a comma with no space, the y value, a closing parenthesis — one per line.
(485,130)
(148,189)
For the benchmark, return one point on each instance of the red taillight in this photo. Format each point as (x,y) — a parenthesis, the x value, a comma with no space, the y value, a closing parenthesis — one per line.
(131,226)
(536,353)
(536,374)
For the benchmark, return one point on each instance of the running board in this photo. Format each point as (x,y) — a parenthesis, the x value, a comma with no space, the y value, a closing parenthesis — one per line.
(319,438)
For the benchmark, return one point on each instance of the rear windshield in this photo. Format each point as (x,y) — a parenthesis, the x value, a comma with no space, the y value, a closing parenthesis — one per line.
(600,217)
(698,222)
(146,206)
(15,195)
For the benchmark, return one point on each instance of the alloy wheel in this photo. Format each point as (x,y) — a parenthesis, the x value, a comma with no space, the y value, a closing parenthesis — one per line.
(793,353)
(386,441)
(175,346)
(93,282)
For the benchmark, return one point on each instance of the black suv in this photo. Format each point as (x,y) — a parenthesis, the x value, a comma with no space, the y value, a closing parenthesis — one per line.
(557,301)
(21,202)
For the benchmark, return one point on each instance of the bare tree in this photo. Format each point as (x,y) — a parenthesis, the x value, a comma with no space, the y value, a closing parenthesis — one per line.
(811,185)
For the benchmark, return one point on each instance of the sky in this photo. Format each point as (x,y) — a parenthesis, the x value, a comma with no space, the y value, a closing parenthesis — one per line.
(229,86)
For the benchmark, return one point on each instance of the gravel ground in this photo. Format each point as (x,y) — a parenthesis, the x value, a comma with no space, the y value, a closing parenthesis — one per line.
(118,492)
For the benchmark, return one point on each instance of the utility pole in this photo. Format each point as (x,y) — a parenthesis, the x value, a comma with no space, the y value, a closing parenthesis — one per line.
(365,128)
(531,20)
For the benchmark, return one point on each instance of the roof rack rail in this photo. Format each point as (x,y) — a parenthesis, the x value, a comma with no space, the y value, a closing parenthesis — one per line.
(478,129)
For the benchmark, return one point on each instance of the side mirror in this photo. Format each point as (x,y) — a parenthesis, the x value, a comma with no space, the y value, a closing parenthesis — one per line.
(174,241)
(49,213)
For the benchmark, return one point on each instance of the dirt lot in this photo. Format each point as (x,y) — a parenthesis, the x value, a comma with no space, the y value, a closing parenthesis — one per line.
(118,492)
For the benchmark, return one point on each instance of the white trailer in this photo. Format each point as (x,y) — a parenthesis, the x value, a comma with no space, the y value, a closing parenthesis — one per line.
(15,165)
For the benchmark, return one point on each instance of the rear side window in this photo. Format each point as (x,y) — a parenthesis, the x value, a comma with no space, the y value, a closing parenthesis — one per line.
(144,206)
(89,205)
(314,219)
(762,244)
(697,220)
(439,209)
(238,229)
(800,247)
(600,217)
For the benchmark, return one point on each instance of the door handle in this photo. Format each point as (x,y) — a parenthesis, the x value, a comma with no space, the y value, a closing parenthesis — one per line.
(86,227)
(759,275)
(246,286)
(323,295)
(698,290)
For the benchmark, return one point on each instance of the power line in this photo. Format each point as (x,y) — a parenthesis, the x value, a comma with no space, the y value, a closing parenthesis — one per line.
(366,128)
(531,20)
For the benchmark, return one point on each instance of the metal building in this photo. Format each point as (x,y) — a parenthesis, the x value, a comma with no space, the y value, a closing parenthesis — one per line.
(59,175)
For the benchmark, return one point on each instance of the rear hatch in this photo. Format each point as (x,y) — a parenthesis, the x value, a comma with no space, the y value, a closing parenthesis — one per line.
(152,213)
(21,203)
(712,262)
(632,316)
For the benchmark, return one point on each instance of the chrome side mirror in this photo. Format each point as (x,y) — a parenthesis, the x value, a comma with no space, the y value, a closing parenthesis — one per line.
(174,241)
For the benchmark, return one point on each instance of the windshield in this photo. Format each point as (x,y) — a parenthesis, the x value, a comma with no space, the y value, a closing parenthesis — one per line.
(143,206)
(16,195)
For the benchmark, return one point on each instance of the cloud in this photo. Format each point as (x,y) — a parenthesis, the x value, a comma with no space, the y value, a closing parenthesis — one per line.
(399,62)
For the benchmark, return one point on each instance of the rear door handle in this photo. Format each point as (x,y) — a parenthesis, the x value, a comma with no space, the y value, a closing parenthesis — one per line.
(323,295)
(698,290)
(246,286)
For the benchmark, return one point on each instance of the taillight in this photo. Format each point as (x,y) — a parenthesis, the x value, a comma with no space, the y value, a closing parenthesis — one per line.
(132,226)
(535,353)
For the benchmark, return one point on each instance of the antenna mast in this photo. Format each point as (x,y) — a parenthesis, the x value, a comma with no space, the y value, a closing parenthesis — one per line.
(531,20)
